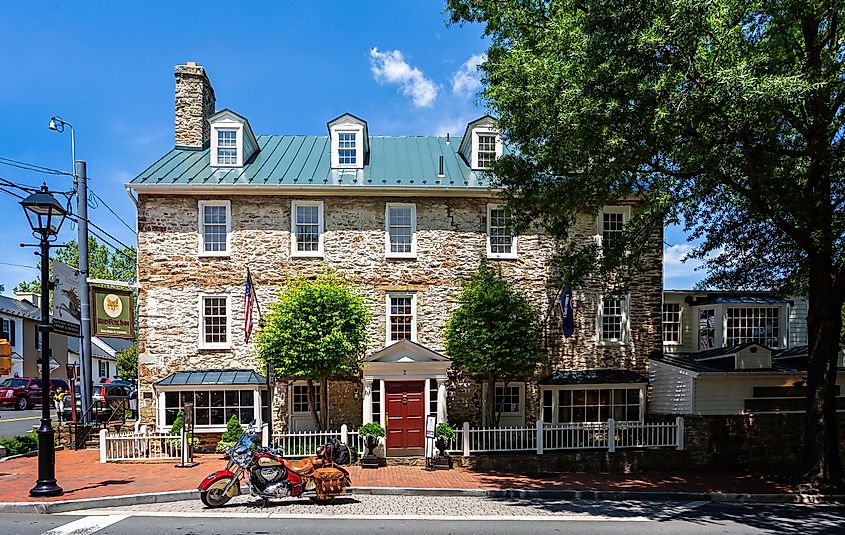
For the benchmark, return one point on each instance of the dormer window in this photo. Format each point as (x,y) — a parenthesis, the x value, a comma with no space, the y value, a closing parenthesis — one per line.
(232,140)
(349,142)
(486,150)
(227,146)
(347,148)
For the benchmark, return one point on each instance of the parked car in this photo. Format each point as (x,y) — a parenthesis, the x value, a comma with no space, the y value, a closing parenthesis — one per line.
(25,392)
(106,397)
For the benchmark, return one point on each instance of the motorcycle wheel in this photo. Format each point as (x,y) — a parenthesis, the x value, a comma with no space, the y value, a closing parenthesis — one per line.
(214,497)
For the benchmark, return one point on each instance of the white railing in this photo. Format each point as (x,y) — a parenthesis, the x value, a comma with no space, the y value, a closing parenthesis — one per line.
(305,443)
(138,446)
(571,436)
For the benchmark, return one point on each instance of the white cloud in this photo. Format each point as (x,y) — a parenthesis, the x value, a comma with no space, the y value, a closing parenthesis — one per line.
(677,267)
(467,79)
(391,67)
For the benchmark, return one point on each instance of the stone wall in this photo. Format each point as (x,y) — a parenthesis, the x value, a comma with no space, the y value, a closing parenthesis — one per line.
(451,241)
(194,105)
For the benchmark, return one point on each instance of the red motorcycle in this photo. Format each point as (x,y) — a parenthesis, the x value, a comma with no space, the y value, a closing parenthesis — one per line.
(268,475)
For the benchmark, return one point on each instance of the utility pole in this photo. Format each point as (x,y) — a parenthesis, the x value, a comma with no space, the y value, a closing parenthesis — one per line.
(86,384)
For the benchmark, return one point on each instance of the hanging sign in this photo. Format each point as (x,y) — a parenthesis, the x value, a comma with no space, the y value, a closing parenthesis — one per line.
(66,301)
(113,313)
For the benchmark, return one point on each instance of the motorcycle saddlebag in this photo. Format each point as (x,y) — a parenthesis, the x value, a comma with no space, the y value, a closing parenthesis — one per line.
(329,481)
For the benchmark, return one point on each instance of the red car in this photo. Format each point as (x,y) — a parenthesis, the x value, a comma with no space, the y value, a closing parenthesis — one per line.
(24,392)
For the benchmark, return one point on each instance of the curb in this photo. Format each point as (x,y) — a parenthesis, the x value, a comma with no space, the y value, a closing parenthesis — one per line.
(597,495)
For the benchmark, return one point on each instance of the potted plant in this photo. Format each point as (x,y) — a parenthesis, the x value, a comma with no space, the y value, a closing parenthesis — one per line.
(443,434)
(371,433)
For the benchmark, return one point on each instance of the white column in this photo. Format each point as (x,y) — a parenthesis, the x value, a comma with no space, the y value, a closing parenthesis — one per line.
(441,400)
(368,401)
(256,408)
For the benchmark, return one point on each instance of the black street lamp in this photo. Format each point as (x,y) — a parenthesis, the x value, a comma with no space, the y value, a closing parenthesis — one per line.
(45,216)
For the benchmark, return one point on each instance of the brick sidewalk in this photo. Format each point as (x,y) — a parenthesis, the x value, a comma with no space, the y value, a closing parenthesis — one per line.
(81,475)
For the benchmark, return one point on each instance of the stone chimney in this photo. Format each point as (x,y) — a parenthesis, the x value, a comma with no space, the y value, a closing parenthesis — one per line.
(194,105)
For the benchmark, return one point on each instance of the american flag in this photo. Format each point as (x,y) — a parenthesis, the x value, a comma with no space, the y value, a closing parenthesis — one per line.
(249,302)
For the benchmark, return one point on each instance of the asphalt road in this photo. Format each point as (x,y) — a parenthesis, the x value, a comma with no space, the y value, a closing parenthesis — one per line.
(13,423)
(570,517)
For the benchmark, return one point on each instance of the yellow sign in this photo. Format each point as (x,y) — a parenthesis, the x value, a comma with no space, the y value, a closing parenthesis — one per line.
(113,313)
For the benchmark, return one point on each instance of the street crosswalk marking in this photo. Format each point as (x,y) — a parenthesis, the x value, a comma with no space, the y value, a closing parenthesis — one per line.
(86,525)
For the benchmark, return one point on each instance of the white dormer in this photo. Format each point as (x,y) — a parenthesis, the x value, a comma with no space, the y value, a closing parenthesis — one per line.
(232,140)
(349,140)
(482,143)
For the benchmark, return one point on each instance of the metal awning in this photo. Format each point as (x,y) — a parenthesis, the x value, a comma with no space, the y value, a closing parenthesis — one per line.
(213,377)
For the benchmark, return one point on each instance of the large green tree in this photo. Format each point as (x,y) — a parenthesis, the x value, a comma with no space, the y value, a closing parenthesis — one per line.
(103,263)
(126,361)
(315,331)
(493,335)
(724,114)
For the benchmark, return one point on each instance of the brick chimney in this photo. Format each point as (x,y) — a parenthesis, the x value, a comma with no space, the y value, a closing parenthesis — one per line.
(194,105)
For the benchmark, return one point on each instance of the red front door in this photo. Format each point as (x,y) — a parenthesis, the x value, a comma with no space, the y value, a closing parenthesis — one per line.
(405,414)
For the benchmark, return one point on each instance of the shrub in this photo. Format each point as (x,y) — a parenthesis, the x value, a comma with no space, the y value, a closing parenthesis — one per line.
(444,430)
(372,429)
(176,431)
(233,434)
(20,444)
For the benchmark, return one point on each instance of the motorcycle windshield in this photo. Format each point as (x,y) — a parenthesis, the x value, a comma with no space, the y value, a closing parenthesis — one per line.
(244,444)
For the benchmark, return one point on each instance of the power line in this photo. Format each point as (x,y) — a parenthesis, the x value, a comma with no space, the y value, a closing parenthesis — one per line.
(19,265)
(32,167)
(125,224)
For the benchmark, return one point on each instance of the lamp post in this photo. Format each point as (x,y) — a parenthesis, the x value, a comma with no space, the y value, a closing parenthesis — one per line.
(45,216)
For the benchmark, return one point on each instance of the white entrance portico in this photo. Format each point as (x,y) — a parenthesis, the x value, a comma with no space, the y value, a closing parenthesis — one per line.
(407,363)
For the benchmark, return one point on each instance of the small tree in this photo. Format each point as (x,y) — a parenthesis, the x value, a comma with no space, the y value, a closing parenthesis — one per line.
(127,362)
(493,335)
(316,331)
(232,435)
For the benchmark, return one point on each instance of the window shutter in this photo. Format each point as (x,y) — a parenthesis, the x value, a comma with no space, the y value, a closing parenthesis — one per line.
(12,332)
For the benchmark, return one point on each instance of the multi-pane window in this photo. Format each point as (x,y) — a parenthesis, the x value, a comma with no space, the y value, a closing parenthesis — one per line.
(486,150)
(706,328)
(500,236)
(753,324)
(307,228)
(376,400)
(347,150)
(7,331)
(612,319)
(215,321)
(548,406)
(611,229)
(598,405)
(103,368)
(432,397)
(211,407)
(400,318)
(300,398)
(401,226)
(227,147)
(507,399)
(672,323)
(214,227)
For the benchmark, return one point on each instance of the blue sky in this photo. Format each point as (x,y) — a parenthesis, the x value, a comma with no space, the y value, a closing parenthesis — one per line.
(107,68)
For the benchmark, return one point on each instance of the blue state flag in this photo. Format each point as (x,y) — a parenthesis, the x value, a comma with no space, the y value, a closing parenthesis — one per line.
(566,312)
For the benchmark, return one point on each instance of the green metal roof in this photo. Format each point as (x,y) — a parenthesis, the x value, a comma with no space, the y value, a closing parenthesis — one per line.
(304,161)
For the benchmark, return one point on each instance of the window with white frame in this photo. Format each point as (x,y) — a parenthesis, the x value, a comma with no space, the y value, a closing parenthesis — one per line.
(508,399)
(753,324)
(577,405)
(307,228)
(347,148)
(613,224)
(432,397)
(299,399)
(613,319)
(501,242)
(211,407)
(401,317)
(401,229)
(706,328)
(486,150)
(7,331)
(227,146)
(103,368)
(671,323)
(214,324)
(375,395)
(215,226)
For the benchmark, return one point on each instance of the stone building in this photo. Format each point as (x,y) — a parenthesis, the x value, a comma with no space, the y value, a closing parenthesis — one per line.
(406,219)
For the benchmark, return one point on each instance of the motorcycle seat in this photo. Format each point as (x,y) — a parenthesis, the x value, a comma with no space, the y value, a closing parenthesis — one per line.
(302,467)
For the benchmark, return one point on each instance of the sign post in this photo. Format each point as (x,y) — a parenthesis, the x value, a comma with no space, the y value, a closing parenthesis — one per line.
(187,454)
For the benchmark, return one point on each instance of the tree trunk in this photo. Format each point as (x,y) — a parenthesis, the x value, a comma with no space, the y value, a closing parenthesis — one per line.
(324,404)
(490,402)
(312,404)
(822,464)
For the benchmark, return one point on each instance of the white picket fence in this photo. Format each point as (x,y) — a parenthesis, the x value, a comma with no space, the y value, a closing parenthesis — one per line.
(305,443)
(140,445)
